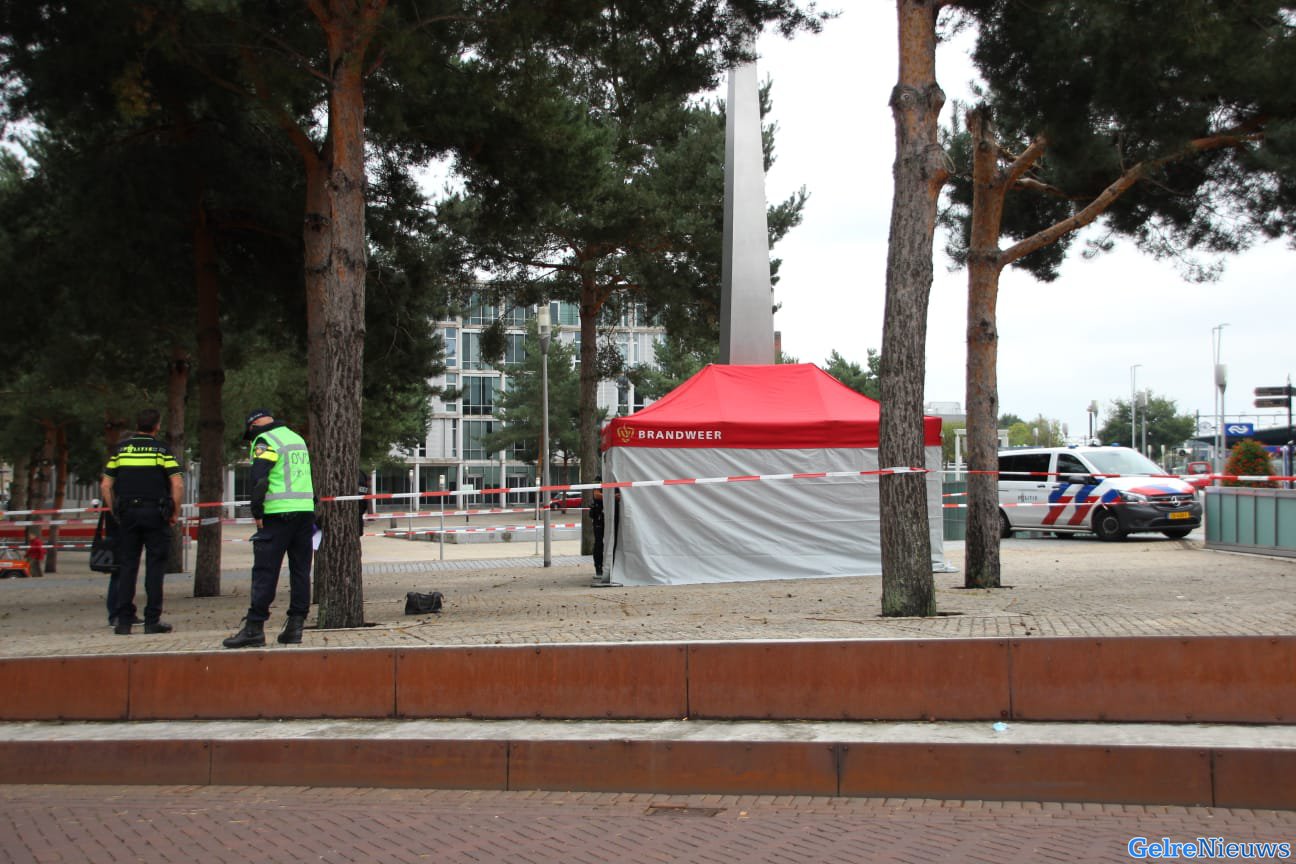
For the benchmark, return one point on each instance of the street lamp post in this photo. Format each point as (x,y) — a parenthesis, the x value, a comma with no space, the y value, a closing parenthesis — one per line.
(1134,407)
(1221,381)
(1143,403)
(1093,418)
(543,329)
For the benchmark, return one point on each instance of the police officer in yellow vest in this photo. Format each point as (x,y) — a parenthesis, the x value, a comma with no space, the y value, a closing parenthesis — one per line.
(283,504)
(143,486)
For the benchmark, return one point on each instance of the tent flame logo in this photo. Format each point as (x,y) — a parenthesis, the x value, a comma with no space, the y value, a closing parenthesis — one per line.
(625,433)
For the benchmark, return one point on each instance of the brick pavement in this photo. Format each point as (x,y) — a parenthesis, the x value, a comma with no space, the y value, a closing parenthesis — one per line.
(1054,587)
(160,825)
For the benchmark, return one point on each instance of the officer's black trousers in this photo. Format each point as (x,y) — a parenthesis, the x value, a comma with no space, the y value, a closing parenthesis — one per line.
(598,547)
(144,529)
(288,533)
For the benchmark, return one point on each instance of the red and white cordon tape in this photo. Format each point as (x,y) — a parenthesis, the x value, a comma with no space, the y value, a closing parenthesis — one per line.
(580,487)
(492,529)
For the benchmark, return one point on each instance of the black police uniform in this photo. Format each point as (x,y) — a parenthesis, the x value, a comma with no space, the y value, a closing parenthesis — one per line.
(141,469)
(596,522)
(363,503)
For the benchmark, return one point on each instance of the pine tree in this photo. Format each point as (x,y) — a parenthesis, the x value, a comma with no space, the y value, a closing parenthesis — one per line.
(1169,125)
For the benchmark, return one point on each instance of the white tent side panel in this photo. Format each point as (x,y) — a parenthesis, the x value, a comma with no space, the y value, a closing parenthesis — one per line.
(750,530)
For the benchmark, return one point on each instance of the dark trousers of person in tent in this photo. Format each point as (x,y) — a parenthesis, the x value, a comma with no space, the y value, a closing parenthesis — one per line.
(596,522)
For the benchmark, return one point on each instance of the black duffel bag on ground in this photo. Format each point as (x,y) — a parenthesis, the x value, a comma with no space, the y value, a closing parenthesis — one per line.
(422,604)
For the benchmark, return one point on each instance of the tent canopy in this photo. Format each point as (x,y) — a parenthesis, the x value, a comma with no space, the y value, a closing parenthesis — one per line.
(740,421)
(782,406)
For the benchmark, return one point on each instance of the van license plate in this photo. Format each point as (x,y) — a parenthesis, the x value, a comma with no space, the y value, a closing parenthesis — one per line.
(1181,514)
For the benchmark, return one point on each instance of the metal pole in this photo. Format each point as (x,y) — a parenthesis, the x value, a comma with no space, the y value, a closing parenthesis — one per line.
(1221,380)
(1145,416)
(542,322)
(1134,407)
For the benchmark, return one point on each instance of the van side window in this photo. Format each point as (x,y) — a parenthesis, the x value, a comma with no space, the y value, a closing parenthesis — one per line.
(1068,464)
(1020,466)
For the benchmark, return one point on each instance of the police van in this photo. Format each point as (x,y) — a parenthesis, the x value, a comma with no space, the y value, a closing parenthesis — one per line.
(1108,491)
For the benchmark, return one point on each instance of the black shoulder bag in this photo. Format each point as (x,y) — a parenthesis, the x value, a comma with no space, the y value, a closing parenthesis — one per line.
(103,549)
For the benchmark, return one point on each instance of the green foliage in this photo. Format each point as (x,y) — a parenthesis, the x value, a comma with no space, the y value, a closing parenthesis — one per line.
(865,381)
(1113,84)
(1040,432)
(1249,458)
(675,364)
(1165,426)
(949,430)
(520,409)
(406,293)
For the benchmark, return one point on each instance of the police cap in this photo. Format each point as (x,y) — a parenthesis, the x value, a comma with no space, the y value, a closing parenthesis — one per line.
(253,416)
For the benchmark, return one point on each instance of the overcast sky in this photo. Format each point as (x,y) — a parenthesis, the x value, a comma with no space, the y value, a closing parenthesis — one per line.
(1063,344)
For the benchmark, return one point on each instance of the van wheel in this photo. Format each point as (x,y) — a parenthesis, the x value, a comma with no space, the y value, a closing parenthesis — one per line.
(1177,533)
(1005,527)
(1106,524)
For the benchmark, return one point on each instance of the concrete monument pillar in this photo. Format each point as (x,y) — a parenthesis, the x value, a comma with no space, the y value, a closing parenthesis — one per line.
(746,299)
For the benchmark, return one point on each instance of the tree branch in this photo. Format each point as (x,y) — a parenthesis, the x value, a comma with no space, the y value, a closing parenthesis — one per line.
(1023,162)
(1033,185)
(1122,185)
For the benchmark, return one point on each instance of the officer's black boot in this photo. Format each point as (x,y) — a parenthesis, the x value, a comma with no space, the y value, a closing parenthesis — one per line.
(292,630)
(251,636)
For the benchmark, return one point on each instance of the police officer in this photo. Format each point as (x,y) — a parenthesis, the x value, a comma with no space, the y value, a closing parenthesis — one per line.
(143,486)
(363,503)
(283,504)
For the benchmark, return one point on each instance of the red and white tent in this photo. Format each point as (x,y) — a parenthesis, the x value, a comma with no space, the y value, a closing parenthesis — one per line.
(740,421)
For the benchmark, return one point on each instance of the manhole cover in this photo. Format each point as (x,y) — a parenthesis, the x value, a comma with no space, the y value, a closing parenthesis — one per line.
(682,810)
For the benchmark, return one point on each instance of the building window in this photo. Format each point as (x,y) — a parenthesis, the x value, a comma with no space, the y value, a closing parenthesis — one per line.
(451,403)
(471,358)
(451,337)
(452,446)
(479,394)
(564,314)
(516,316)
(514,354)
(480,313)
(474,432)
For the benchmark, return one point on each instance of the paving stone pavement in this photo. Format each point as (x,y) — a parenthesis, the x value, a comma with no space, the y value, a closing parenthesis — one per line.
(160,825)
(1053,587)
(1071,587)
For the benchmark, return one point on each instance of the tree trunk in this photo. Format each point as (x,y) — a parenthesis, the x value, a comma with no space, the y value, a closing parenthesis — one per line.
(920,171)
(211,420)
(981,559)
(42,468)
(177,392)
(60,495)
(35,481)
(336,349)
(19,490)
(113,430)
(590,307)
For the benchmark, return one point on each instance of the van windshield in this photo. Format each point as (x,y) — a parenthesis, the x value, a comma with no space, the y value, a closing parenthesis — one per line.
(1122,461)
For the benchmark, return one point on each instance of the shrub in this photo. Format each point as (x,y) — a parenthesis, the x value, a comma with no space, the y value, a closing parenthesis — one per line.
(1249,459)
